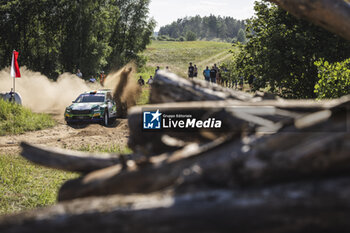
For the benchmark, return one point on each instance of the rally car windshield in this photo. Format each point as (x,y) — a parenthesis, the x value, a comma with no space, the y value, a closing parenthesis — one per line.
(90,99)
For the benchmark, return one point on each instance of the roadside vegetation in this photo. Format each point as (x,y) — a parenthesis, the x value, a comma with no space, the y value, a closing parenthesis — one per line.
(118,149)
(24,185)
(292,57)
(16,119)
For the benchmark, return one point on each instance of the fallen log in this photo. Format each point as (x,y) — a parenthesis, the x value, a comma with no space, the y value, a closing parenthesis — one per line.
(298,207)
(237,116)
(295,155)
(333,15)
(68,160)
(168,88)
(161,172)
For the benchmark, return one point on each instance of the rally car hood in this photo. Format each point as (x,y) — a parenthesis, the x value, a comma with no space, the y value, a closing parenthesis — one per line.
(84,106)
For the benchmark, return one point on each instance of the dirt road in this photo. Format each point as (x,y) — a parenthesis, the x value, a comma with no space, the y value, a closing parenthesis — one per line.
(65,136)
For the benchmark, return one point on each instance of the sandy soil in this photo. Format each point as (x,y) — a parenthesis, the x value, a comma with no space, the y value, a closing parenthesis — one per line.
(70,137)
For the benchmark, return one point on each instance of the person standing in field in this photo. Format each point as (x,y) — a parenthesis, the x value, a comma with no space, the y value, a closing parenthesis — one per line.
(190,71)
(141,82)
(150,80)
(102,77)
(218,76)
(79,74)
(213,73)
(206,74)
(156,71)
(195,71)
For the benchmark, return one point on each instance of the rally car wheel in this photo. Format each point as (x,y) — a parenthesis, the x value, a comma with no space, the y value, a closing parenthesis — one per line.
(106,118)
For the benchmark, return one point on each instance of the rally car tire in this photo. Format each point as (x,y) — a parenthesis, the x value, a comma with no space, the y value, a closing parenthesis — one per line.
(106,120)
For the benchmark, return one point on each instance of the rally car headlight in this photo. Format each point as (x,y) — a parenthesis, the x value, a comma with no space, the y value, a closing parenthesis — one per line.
(68,110)
(95,109)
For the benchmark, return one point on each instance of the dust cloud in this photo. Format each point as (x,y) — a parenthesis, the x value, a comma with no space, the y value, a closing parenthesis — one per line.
(42,94)
(126,91)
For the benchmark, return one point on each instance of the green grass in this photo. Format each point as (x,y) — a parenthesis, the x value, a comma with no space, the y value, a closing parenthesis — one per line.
(24,185)
(144,98)
(177,55)
(118,149)
(15,119)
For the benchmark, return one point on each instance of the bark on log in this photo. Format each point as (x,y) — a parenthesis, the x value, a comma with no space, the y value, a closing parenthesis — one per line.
(299,207)
(333,15)
(168,87)
(162,172)
(268,115)
(298,155)
(68,160)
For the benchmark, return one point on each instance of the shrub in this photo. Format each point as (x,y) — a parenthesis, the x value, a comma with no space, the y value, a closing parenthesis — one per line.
(191,36)
(334,79)
(15,119)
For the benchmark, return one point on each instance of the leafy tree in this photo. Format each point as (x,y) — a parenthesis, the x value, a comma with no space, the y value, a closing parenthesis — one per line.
(191,36)
(334,79)
(58,36)
(241,36)
(209,27)
(131,32)
(282,49)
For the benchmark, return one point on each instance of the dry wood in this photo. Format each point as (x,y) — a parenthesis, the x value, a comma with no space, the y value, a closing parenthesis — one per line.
(302,154)
(162,172)
(298,207)
(268,116)
(68,160)
(168,87)
(333,15)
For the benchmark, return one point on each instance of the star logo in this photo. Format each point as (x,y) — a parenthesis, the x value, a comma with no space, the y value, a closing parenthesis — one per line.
(156,116)
(152,120)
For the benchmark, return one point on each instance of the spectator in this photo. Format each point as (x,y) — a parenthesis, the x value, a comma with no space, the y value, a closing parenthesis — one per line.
(141,82)
(206,74)
(213,73)
(150,80)
(102,77)
(195,71)
(79,74)
(156,70)
(218,76)
(190,71)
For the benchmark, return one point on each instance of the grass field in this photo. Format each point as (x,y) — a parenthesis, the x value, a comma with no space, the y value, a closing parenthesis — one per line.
(177,55)
(15,119)
(24,185)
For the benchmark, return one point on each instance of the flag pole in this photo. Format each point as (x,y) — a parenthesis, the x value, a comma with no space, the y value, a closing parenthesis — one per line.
(15,69)
(14,84)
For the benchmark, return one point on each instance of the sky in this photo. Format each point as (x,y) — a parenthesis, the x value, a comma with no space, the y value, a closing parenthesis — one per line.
(167,11)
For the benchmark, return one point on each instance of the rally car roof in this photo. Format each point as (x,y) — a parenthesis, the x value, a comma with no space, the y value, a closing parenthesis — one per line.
(102,91)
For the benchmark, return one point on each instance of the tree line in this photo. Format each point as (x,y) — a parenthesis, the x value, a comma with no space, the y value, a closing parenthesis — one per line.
(62,36)
(205,28)
(292,57)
